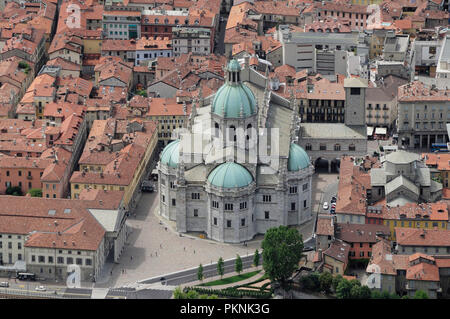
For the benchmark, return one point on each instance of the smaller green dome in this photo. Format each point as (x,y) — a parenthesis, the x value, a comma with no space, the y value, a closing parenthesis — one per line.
(298,158)
(230,175)
(171,153)
(233,66)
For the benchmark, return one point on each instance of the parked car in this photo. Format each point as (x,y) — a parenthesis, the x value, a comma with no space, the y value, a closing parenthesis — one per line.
(308,248)
(147,186)
(333,211)
(41,288)
(325,205)
(4,284)
(333,205)
(333,199)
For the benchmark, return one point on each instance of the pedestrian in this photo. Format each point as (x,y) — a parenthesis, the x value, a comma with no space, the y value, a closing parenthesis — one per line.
(111,273)
(194,251)
(160,245)
(151,255)
(131,257)
(166,228)
(156,253)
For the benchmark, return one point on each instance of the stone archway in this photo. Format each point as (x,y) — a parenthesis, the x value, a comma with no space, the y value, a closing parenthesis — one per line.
(321,165)
(334,165)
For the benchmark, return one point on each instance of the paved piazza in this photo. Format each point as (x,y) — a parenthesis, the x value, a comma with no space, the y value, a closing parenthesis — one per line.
(152,250)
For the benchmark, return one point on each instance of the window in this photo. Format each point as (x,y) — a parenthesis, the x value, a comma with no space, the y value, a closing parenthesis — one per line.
(305,187)
(33,258)
(242,221)
(79,261)
(323,147)
(9,245)
(228,223)
(266,215)
(88,262)
(292,206)
(69,260)
(308,147)
(355,91)
(19,245)
(267,198)
(195,195)
(195,212)
(293,190)
(50,259)
(361,254)
(60,260)
(215,221)
(215,204)
(174,202)
(19,256)
(337,147)
(228,206)
(41,259)
(243,205)
(304,203)
(19,173)
(351,147)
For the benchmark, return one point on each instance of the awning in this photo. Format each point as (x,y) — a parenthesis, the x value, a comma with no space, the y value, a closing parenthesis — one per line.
(369,130)
(380,131)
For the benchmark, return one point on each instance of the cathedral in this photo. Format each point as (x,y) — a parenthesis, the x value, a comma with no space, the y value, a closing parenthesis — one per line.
(237,169)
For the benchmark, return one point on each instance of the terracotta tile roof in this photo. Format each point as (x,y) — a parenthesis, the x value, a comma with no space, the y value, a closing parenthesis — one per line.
(118,45)
(120,166)
(64,64)
(422,237)
(361,233)
(352,189)
(74,229)
(158,43)
(423,272)
(442,262)
(417,91)
(65,41)
(114,68)
(58,168)
(70,84)
(113,198)
(439,160)
(426,211)
(383,258)
(325,225)
(338,250)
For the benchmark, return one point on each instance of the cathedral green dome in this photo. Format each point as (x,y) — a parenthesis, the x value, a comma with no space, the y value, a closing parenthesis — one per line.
(230,175)
(298,158)
(171,153)
(234,99)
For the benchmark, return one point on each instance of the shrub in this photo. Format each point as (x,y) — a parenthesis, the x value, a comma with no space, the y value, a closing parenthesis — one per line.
(35,192)
(15,191)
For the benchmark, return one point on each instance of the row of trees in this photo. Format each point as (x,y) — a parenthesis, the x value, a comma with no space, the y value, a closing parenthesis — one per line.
(238,266)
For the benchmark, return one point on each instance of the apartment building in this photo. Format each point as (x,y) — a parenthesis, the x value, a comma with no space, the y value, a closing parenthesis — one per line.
(120,22)
(423,112)
(195,40)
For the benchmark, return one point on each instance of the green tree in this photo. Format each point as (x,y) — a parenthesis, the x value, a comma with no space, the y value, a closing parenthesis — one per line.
(325,279)
(220,267)
(192,294)
(35,192)
(336,280)
(364,292)
(200,272)
(282,250)
(343,290)
(178,293)
(15,191)
(238,264)
(375,294)
(256,258)
(420,294)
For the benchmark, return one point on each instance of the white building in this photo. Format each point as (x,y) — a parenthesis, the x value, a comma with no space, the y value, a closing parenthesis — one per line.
(222,184)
